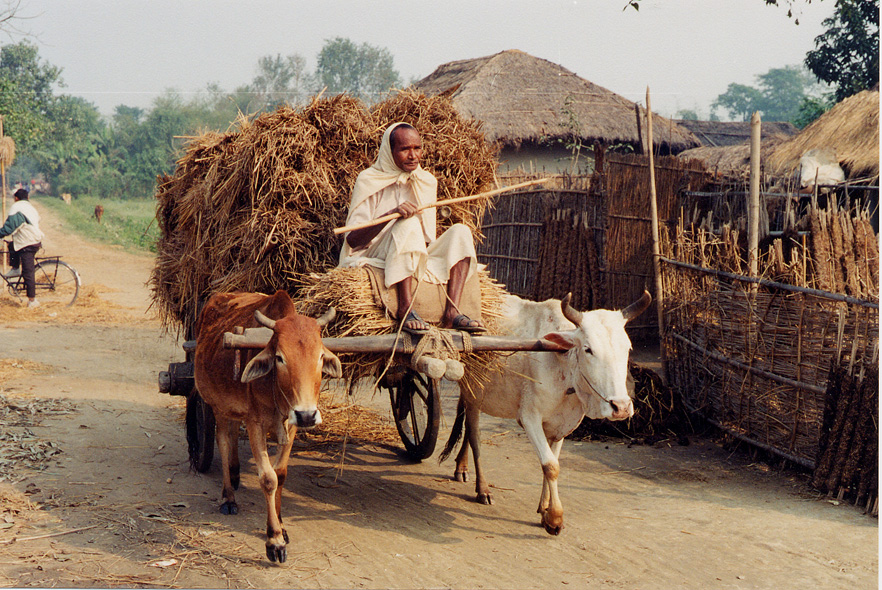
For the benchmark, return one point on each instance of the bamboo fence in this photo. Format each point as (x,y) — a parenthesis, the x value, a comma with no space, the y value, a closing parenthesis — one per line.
(754,355)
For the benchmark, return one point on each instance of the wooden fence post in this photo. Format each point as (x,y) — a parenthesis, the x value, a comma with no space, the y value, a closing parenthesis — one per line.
(656,253)
(753,203)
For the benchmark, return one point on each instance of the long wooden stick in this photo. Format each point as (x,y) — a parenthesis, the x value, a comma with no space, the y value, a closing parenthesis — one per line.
(46,536)
(391,216)
(656,249)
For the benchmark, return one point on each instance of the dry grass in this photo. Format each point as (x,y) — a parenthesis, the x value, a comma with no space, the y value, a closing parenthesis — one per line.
(89,308)
(247,210)
(348,290)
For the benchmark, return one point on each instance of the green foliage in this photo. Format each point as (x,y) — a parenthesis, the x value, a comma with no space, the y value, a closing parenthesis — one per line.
(365,71)
(778,97)
(25,94)
(812,108)
(64,140)
(130,223)
(687,115)
(279,81)
(847,54)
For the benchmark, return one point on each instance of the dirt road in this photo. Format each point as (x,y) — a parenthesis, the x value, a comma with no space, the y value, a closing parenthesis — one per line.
(112,501)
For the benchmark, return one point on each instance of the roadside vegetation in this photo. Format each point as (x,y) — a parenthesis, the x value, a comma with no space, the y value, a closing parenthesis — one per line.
(129,223)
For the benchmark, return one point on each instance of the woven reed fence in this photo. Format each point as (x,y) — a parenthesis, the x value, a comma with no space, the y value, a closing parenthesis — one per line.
(628,245)
(755,355)
(586,235)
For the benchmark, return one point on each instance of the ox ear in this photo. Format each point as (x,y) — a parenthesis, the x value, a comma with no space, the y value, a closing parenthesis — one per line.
(331,365)
(561,339)
(259,366)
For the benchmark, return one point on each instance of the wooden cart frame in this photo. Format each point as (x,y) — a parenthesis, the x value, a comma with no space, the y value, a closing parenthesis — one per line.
(414,395)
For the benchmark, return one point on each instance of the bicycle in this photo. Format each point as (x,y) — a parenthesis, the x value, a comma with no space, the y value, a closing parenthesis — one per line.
(55,281)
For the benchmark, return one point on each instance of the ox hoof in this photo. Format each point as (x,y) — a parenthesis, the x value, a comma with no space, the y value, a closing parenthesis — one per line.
(552,528)
(276,553)
(229,508)
(461,476)
(485,499)
(285,536)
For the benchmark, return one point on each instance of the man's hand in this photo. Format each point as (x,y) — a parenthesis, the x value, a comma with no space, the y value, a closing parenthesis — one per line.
(405,209)
(360,238)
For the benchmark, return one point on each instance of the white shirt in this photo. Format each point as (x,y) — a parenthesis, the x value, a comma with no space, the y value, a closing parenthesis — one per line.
(380,203)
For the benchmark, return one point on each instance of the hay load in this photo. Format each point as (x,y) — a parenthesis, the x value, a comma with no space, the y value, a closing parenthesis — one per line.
(255,208)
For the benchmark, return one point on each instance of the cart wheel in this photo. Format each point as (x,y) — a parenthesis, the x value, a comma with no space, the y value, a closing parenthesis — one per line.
(200,432)
(416,407)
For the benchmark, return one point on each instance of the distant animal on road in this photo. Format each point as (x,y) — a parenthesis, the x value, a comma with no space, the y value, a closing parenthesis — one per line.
(549,392)
(99,212)
(277,392)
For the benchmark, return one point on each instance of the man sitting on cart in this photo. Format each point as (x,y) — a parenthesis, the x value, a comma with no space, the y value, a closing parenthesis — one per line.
(406,247)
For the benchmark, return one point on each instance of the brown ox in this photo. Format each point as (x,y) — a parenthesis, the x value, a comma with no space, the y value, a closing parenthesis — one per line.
(99,212)
(278,391)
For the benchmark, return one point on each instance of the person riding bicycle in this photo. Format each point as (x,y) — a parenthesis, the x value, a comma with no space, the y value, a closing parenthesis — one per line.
(23,224)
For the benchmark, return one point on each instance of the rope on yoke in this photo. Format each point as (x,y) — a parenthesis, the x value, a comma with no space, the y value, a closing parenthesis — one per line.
(436,343)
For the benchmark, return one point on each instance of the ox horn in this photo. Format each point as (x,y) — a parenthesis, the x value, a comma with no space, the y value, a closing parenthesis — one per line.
(571,314)
(263,320)
(638,307)
(327,317)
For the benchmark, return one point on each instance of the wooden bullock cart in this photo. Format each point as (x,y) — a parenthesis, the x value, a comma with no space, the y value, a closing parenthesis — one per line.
(414,391)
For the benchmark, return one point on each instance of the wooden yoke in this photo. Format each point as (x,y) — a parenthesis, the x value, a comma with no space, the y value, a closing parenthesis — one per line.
(256,338)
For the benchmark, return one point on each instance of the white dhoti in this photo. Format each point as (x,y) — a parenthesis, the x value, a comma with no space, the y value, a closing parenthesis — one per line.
(401,251)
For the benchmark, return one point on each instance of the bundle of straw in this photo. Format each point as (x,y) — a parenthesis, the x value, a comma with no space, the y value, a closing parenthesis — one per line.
(7,151)
(250,209)
(348,290)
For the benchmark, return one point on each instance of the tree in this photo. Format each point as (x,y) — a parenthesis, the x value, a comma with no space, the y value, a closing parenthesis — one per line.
(739,101)
(361,70)
(25,93)
(779,95)
(847,54)
(279,80)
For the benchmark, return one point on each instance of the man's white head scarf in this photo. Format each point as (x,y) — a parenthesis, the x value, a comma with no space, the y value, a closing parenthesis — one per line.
(385,172)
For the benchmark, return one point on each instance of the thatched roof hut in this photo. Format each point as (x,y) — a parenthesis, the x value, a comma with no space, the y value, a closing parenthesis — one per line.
(525,101)
(850,129)
(732,162)
(733,133)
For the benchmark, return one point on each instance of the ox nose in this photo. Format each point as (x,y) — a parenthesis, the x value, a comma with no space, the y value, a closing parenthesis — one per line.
(621,409)
(307,418)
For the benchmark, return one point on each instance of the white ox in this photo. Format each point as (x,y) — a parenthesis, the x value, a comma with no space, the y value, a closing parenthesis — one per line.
(549,393)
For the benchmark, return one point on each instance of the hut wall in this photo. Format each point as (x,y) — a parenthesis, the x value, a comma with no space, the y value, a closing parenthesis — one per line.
(543,159)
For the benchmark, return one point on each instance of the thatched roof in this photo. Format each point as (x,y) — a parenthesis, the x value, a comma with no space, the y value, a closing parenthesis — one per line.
(732,161)
(520,98)
(850,129)
(725,133)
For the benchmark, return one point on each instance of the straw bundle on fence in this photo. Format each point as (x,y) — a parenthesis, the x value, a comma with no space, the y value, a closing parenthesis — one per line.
(348,290)
(7,151)
(848,454)
(249,209)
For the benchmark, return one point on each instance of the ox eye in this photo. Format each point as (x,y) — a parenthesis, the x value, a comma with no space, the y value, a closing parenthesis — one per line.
(588,350)
(280,359)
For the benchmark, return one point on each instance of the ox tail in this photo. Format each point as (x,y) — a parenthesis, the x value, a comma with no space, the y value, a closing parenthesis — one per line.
(455,432)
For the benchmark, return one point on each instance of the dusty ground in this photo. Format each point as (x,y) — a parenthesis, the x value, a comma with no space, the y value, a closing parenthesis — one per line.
(95,488)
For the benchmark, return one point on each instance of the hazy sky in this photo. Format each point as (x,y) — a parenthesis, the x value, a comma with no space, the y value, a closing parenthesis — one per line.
(687,51)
